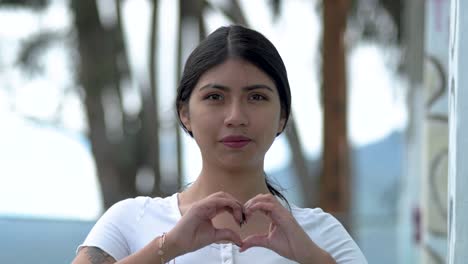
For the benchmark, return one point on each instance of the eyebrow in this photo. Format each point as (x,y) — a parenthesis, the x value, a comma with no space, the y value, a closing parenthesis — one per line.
(226,88)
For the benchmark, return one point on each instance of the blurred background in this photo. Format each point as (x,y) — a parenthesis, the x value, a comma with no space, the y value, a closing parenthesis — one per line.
(87,118)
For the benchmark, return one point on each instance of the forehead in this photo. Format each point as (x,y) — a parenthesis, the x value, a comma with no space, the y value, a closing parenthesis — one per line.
(235,73)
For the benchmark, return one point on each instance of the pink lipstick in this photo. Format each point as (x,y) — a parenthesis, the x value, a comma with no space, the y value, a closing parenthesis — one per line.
(235,141)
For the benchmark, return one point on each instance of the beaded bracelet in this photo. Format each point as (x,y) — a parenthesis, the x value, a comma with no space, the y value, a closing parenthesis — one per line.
(162,240)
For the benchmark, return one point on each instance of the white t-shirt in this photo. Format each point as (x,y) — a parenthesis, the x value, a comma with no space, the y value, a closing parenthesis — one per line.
(131,224)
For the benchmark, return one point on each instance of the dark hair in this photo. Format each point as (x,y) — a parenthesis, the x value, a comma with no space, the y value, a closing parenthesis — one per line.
(235,41)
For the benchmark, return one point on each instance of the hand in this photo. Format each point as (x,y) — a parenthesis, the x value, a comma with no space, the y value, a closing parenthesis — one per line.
(195,230)
(286,237)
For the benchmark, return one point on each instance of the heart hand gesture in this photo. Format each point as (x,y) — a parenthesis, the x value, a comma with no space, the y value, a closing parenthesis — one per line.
(195,230)
(285,236)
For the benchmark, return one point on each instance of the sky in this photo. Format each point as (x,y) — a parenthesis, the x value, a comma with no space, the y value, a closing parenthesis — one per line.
(48,156)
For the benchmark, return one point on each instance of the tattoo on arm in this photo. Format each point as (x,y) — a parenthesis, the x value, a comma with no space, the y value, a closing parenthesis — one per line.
(98,256)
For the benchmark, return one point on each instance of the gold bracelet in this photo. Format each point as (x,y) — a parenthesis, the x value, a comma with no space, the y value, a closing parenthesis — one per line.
(162,240)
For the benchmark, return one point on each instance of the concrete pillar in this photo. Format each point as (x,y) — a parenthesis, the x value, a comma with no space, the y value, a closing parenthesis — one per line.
(458,135)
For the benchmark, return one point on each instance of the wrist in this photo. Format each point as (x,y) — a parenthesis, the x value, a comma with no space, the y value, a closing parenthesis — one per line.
(314,254)
(319,257)
(167,247)
(327,258)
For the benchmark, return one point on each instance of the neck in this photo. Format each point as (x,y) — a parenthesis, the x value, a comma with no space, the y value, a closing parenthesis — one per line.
(243,184)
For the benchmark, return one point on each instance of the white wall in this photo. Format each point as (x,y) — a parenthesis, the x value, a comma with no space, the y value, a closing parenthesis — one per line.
(458,135)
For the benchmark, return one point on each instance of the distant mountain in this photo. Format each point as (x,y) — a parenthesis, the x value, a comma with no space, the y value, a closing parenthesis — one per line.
(377,170)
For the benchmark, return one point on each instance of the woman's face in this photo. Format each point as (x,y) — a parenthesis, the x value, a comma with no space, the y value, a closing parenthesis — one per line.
(234,114)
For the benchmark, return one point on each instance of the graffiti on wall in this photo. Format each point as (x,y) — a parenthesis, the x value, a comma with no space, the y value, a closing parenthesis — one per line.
(434,201)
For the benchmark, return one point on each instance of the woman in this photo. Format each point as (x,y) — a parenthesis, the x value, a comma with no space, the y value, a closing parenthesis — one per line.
(233,99)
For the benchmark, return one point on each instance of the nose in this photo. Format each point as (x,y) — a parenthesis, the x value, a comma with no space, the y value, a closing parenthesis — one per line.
(236,115)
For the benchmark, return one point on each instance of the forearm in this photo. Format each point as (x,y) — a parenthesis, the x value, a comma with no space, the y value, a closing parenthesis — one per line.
(311,253)
(150,253)
(321,256)
(326,259)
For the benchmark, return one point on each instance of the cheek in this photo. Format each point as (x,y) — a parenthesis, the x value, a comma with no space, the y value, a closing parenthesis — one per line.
(202,121)
(273,118)
(269,127)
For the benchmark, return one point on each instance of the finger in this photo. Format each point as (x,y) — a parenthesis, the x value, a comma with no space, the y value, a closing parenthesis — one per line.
(234,208)
(272,228)
(255,241)
(239,216)
(263,197)
(229,235)
(225,205)
(226,195)
(265,207)
(273,210)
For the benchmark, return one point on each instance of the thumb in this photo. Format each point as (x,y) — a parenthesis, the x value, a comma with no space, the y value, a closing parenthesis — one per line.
(254,241)
(229,235)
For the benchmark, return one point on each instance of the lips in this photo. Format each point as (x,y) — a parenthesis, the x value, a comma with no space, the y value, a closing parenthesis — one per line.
(235,141)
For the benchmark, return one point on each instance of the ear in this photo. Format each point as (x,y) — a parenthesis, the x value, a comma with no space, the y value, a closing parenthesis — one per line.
(184,116)
(281,124)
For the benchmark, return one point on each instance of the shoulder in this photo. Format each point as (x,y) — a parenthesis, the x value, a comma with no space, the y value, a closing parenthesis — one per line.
(320,225)
(130,206)
(312,217)
(115,231)
(329,234)
(137,207)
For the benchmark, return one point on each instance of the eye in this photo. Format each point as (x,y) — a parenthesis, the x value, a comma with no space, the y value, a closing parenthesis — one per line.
(258,97)
(213,97)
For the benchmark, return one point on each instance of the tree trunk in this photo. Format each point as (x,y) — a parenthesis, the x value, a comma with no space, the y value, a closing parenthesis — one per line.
(334,189)
(95,73)
(189,10)
(150,103)
(102,65)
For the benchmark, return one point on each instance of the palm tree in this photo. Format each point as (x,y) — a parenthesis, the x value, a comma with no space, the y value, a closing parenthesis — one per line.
(102,66)
(334,188)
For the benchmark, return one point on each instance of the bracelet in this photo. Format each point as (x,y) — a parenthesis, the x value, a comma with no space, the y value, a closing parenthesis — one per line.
(162,240)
